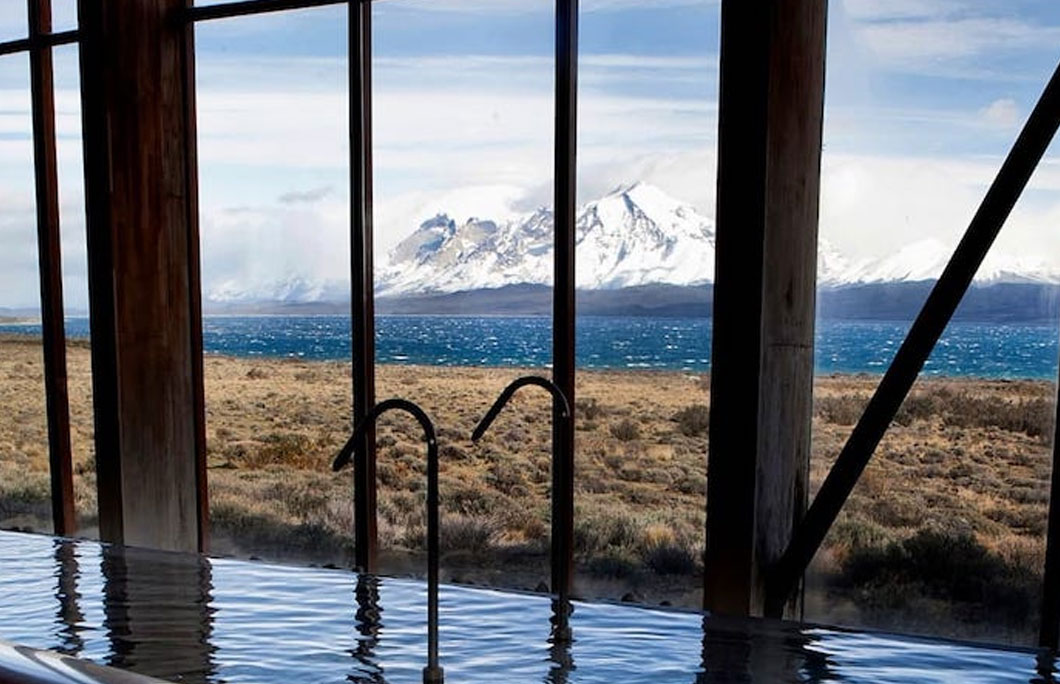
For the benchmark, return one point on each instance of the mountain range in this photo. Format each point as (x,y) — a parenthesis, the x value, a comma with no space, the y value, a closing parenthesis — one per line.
(638,251)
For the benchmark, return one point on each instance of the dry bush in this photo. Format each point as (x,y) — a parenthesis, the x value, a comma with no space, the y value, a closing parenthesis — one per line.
(466,533)
(950,567)
(693,420)
(844,409)
(1032,417)
(918,406)
(588,409)
(625,430)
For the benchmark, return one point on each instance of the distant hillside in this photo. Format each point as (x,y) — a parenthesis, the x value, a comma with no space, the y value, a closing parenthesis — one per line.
(1003,302)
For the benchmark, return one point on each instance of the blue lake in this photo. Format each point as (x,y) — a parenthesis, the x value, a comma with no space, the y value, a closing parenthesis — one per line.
(967,349)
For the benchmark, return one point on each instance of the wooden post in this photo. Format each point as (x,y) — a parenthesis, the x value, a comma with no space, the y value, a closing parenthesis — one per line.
(49,250)
(142,216)
(769,153)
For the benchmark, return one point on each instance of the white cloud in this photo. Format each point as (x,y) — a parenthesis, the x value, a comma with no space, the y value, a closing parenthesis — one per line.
(527,6)
(1003,113)
(909,42)
(901,9)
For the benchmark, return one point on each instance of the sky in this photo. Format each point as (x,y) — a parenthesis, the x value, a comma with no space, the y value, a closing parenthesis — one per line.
(923,100)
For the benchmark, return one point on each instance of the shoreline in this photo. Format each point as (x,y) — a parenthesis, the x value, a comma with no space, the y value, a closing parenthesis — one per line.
(10,337)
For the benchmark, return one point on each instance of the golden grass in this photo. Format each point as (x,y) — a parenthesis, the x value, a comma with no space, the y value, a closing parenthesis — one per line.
(967,461)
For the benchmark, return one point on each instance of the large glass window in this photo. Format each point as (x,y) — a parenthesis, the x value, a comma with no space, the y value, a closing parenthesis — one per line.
(464,242)
(274,216)
(645,262)
(25,493)
(945,532)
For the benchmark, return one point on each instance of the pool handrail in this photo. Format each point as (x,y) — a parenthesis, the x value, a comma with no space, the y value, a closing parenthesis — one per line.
(433,673)
(506,395)
(561,632)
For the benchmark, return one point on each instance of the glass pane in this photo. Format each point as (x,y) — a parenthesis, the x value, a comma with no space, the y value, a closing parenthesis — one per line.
(75,283)
(645,259)
(463,229)
(25,493)
(273,184)
(64,15)
(944,534)
(14,23)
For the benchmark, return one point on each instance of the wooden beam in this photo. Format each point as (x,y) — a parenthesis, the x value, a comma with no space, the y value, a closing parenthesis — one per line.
(49,249)
(143,285)
(37,42)
(769,152)
(246,8)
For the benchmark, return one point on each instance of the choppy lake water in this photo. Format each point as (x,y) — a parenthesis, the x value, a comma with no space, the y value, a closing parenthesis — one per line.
(609,342)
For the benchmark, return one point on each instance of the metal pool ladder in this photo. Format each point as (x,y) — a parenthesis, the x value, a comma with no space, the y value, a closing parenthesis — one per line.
(561,632)
(433,673)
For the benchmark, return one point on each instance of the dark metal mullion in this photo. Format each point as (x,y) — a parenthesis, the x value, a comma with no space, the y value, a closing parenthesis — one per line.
(1016,171)
(191,169)
(361,273)
(249,7)
(563,307)
(39,40)
(51,272)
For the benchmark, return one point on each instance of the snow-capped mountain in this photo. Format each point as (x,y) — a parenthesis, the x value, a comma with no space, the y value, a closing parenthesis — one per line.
(635,235)
(926,259)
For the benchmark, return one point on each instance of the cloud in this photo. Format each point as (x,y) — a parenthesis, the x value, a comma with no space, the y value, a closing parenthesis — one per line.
(1003,113)
(911,42)
(527,6)
(306,196)
(901,9)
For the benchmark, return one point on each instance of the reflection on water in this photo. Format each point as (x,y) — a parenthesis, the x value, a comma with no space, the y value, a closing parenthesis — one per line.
(158,614)
(68,615)
(192,619)
(369,624)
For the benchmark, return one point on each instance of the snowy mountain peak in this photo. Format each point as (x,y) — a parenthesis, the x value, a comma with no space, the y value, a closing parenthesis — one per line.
(635,235)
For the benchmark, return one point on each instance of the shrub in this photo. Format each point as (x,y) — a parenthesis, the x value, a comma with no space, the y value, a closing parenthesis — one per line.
(1032,417)
(841,410)
(916,407)
(693,420)
(602,529)
(692,483)
(466,533)
(947,567)
(588,409)
(505,477)
(670,559)
(625,431)
(613,564)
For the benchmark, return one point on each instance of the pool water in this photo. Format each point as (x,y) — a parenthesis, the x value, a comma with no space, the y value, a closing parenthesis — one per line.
(189,618)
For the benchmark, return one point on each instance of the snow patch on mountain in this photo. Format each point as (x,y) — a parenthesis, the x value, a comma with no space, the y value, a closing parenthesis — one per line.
(479,238)
(635,235)
(926,259)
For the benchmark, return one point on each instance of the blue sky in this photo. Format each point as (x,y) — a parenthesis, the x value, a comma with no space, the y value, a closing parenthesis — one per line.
(923,100)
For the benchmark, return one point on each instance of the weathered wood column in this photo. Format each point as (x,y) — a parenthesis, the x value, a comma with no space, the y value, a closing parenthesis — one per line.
(142,216)
(769,155)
